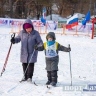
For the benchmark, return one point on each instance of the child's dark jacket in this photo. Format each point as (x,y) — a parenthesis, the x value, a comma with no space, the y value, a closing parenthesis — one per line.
(52,62)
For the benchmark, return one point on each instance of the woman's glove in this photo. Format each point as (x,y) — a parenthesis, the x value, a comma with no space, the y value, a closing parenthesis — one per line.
(12,40)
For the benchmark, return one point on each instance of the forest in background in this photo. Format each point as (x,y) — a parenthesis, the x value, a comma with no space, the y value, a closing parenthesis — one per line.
(33,8)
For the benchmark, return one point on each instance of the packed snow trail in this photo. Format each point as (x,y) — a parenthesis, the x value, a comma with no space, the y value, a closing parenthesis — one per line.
(83,59)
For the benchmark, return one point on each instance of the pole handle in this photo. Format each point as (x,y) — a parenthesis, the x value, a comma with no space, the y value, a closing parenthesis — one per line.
(68,45)
(13,35)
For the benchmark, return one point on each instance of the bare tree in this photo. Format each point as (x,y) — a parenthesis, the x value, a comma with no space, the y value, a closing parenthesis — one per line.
(33,8)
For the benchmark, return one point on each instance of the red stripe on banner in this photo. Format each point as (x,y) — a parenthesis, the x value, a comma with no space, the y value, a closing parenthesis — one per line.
(68,26)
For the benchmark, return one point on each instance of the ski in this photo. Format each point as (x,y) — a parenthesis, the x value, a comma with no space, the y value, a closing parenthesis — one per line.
(26,80)
(35,84)
(15,86)
(22,81)
(50,86)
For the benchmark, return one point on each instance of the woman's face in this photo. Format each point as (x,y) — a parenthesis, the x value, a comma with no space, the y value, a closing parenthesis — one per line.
(28,30)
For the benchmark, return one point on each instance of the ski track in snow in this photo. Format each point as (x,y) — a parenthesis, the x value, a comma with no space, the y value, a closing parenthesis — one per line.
(83,60)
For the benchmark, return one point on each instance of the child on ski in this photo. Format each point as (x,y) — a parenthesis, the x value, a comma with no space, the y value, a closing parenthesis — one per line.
(51,48)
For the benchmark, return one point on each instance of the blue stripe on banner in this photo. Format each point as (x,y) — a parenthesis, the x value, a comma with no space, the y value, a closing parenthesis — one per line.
(73,21)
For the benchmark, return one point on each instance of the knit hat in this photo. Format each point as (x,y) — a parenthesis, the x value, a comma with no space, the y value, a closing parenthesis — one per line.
(27,25)
(51,35)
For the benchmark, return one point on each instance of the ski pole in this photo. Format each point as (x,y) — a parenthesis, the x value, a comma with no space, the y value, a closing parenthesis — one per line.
(70,65)
(4,66)
(28,65)
(23,76)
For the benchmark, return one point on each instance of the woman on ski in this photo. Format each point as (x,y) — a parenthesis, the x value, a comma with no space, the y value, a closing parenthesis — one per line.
(29,38)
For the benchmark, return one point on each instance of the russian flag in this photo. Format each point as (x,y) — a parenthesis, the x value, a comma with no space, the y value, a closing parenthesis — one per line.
(71,22)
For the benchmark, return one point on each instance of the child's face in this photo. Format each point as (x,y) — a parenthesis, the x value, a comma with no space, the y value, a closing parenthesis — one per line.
(50,39)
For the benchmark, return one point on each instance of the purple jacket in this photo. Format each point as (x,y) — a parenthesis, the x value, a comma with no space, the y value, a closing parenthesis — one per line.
(28,41)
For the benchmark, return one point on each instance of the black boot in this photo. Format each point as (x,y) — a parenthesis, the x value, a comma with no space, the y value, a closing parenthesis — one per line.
(24,79)
(54,78)
(49,77)
(30,72)
(24,71)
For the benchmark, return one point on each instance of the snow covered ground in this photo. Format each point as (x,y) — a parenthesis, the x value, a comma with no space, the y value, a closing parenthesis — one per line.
(83,64)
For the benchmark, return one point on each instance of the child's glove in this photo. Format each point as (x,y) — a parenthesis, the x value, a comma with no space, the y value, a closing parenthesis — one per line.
(68,49)
(36,47)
